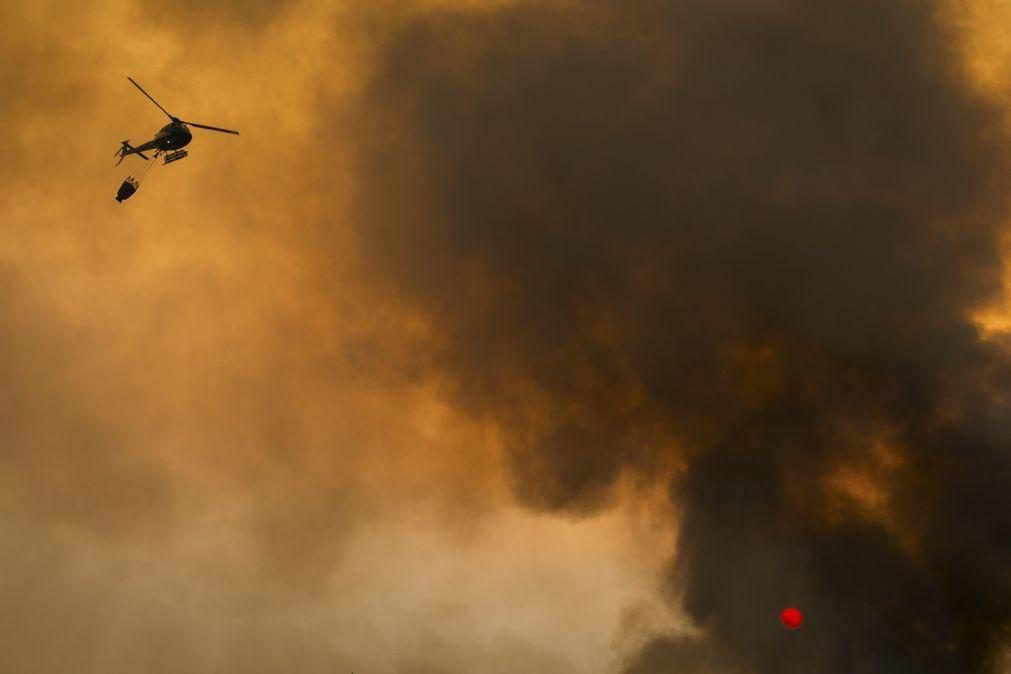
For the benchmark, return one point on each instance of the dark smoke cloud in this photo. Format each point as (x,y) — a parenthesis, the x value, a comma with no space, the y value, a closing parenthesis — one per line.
(742,240)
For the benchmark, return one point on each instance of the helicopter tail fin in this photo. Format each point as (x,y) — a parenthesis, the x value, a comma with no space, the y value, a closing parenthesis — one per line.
(126,149)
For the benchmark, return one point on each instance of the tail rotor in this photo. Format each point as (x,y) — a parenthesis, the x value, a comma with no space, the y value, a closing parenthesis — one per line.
(121,152)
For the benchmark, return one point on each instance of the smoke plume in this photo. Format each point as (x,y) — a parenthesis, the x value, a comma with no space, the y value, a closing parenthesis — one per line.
(740,244)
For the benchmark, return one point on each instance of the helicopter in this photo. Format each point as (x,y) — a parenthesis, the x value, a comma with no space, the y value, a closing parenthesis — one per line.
(169,140)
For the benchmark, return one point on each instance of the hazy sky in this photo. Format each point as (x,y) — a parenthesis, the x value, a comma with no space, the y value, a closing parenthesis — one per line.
(508,336)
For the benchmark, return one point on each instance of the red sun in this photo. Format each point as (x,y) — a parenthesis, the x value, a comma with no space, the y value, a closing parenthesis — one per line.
(791,618)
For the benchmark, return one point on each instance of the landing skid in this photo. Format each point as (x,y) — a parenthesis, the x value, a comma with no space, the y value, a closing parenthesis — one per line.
(175,156)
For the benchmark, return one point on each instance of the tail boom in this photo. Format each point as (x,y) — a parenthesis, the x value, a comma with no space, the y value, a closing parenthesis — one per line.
(126,149)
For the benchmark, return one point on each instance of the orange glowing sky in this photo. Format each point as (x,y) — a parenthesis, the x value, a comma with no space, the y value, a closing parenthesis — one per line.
(220,450)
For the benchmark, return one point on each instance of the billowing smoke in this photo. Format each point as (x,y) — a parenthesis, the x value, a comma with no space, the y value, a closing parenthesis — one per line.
(739,243)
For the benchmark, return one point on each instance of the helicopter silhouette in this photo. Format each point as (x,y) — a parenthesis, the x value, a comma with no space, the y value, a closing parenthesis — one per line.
(169,140)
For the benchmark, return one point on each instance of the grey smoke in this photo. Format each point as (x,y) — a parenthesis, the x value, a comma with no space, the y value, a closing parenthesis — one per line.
(745,238)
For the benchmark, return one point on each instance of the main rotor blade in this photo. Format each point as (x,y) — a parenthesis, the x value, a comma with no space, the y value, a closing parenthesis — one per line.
(152,99)
(211,128)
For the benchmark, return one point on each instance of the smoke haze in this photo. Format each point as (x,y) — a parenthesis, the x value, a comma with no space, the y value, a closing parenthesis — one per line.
(542,336)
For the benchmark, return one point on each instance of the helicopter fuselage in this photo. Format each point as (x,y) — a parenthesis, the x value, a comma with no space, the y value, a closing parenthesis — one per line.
(172,136)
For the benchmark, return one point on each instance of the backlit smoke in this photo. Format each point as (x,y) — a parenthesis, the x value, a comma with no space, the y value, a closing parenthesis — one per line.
(742,243)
